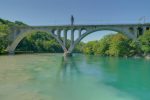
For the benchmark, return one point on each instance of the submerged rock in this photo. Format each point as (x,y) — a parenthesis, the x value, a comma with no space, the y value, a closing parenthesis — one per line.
(137,56)
(147,56)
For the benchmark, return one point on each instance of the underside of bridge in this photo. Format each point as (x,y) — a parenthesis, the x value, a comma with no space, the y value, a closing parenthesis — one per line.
(60,33)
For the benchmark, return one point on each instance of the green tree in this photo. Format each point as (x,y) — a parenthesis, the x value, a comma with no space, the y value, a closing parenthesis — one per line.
(88,48)
(102,46)
(119,45)
(5,27)
(79,48)
(110,45)
(4,31)
(39,42)
(145,42)
(135,47)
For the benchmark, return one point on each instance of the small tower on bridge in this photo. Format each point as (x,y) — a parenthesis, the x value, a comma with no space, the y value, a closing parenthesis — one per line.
(72,20)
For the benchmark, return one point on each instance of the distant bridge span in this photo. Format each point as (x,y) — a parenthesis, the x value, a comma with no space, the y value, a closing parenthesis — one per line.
(60,33)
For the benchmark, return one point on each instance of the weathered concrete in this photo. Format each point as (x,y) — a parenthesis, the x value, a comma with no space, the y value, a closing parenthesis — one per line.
(67,54)
(130,30)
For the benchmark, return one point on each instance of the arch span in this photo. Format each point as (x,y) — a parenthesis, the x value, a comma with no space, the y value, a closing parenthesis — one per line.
(96,30)
(12,47)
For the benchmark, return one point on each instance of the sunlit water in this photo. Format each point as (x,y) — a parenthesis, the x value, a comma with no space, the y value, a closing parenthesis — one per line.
(52,77)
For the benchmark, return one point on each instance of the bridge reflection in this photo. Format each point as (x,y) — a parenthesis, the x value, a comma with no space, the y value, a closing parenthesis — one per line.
(68,68)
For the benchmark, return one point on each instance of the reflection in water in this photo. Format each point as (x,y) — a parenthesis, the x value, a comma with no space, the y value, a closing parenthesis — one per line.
(128,76)
(33,77)
(68,68)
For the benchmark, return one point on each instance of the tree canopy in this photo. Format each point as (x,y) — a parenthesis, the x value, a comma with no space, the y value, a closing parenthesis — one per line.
(119,45)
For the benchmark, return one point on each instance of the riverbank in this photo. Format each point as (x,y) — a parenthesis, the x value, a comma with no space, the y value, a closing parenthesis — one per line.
(137,56)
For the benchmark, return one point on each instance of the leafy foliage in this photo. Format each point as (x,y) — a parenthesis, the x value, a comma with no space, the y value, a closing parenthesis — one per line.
(39,42)
(5,31)
(145,42)
(119,45)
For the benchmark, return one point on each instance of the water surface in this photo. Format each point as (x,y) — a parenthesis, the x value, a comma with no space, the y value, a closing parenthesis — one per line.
(82,77)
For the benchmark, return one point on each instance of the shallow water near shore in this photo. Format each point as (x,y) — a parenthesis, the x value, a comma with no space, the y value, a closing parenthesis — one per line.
(81,77)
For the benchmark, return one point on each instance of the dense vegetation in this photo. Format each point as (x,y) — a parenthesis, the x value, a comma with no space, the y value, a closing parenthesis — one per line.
(39,42)
(43,42)
(110,45)
(4,31)
(5,26)
(35,42)
(119,45)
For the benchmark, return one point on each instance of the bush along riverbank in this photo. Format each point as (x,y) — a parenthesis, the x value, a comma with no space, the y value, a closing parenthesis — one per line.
(120,45)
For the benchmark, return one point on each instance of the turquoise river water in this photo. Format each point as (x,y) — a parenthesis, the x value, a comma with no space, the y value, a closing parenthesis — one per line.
(81,77)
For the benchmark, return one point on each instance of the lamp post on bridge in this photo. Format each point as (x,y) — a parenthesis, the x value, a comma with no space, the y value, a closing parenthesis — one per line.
(143,19)
(72,20)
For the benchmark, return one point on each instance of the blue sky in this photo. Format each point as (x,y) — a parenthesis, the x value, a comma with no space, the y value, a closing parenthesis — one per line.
(57,12)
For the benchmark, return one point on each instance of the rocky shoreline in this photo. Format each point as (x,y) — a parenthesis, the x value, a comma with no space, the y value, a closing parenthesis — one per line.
(142,56)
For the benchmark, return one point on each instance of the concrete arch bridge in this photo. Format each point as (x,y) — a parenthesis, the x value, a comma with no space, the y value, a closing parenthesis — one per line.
(60,33)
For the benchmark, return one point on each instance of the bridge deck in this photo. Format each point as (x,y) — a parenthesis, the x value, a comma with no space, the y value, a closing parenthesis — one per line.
(88,25)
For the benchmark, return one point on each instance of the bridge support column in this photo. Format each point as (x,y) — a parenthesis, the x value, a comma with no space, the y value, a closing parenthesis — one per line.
(59,34)
(67,54)
(65,38)
(79,34)
(136,32)
(10,52)
(72,37)
(144,29)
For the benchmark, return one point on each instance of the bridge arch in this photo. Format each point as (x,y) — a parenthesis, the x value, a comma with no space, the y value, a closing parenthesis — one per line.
(95,30)
(12,47)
